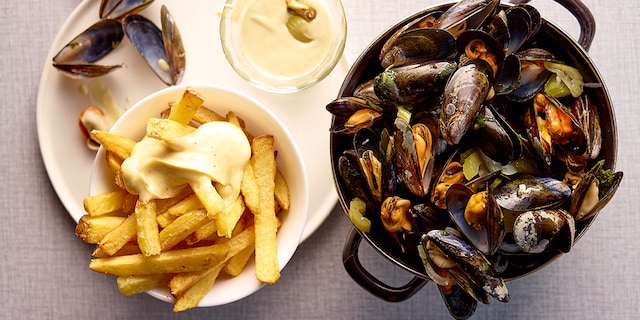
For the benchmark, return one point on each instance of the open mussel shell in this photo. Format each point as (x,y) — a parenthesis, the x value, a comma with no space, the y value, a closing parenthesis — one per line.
(532,75)
(531,193)
(459,303)
(118,9)
(426,21)
(86,70)
(419,45)
(366,143)
(414,166)
(523,22)
(464,94)
(496,138)
(539,230)
(412,84)
(488,236)
(467,15)
(471,261)
(589,197)
(468,37)
(149,41)
(77,57)
(356,113)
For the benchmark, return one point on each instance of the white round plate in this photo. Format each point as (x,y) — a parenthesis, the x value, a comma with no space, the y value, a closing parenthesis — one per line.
(60,100)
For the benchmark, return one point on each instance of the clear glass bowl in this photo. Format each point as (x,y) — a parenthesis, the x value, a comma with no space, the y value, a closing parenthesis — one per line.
(257,44)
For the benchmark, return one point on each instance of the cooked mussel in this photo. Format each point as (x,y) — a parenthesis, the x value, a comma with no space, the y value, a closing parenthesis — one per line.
(477,215)
(412,84)
(538,230)
(467,14)
(553,129)
(464,94)
(530,193)
(495,136)
(418,46)
(426,21)
(594,190)
(414,147)
(474,265)
(356,112)
(367,146)
(533,75)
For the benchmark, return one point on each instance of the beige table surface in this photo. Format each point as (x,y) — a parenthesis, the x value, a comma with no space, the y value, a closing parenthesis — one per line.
(43,266)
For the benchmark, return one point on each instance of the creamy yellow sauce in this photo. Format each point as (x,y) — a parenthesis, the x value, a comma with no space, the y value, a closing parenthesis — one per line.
(216,152)
(268,45)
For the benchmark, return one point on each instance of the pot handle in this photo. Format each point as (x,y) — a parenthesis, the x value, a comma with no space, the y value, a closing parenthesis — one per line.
(585,20)
(367,280)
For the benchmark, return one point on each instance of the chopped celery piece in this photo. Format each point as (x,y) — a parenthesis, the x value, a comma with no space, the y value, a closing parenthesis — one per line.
(471,165)
(357,209)
(565,80)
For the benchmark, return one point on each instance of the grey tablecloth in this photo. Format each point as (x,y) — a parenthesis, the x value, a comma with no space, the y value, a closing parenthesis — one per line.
(43,266)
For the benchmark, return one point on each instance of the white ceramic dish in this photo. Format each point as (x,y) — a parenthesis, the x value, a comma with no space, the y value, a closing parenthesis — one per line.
(233,30)
(60,101)
(258,120)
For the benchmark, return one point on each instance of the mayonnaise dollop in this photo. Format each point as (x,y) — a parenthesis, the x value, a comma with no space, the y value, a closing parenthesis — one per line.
(217,151)
(268,45)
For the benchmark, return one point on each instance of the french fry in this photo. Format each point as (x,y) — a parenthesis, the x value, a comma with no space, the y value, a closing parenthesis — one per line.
(208,195)
(119,145)
(236,264)
(173,261)
(147,227)
(130,285)
(166,129)
(249,189)
(114,163)
(192,296)
(266,223)
(202,233)
(204,115)
(281,191)
(181,228)
(129,203)
(127,249)
(162,205)
(187,204)
(104,203)
(118,237)
(227,219)
(180,283)
(186,107)
(92,229)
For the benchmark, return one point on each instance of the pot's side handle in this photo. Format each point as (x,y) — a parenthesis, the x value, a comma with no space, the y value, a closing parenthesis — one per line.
(585,20)
(369,282)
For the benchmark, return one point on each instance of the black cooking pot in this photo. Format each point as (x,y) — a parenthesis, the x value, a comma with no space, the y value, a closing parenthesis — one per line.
(367,66)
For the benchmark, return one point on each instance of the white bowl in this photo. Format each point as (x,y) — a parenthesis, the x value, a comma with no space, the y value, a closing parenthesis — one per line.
(258,120)
(275,49)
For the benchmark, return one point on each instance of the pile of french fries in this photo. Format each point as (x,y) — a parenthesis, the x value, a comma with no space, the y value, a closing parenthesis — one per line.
(188,241)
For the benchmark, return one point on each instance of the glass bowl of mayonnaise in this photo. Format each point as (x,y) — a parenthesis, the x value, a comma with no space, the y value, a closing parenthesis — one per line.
(283,46)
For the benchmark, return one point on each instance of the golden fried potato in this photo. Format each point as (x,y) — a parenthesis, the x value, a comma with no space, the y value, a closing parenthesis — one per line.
(266,223)
(173,261)
(186,107)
